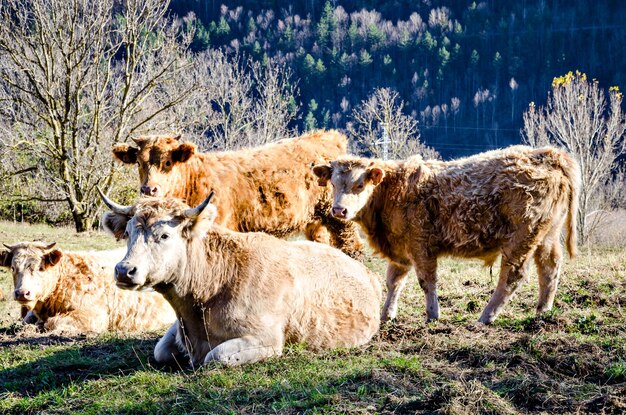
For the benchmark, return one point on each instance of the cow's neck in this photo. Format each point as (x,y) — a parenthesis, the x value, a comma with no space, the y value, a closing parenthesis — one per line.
(209,268)
(196,170)
(374,218)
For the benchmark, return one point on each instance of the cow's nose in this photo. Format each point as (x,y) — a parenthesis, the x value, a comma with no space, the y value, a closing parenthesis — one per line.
(340,212)
(124,272)
(22,295)
(149,190)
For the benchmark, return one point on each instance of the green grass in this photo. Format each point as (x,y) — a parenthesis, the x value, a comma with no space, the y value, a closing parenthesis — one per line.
(571,360)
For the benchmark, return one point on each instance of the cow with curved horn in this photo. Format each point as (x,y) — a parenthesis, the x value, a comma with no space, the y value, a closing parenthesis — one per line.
(268,189)
(73,292)
(240,297)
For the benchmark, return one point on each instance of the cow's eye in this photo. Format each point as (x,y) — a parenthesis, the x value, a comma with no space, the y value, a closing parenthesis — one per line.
(168,163)
(164,237)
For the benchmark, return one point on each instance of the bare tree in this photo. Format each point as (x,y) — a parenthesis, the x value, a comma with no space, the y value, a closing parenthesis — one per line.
(275,105)
(576,118)
(227,87)
(77,77)
(249,103)
(381,112)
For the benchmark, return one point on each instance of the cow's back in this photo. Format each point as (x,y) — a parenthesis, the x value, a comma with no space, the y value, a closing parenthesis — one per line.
(336,299)
(476,203)
(128,311)
(270,188)
(304,292)
(132,311)
(87,286)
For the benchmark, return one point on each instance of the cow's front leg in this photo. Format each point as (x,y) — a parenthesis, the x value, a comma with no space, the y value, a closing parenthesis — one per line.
(241,350)
(396,280)
(167,350)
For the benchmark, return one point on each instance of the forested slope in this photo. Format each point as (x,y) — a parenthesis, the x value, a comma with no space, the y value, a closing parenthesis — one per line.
(466,72)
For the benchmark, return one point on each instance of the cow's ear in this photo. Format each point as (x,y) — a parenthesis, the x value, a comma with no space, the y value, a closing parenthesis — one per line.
(125,153)
(5,258)
(323,173)
(50,259)
(183,152)
(201,225)
(115,224)
(375,175)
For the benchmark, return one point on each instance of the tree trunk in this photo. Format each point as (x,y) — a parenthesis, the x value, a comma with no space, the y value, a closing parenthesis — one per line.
(82,220)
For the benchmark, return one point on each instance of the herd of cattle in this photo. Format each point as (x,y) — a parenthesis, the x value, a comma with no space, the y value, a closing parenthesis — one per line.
(203,249)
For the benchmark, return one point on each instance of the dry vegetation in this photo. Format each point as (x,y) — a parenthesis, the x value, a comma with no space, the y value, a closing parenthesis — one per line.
(570,361)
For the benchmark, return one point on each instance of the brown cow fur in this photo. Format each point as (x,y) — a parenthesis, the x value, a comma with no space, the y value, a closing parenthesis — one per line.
(514,202)
(241,296)
(74,292)
(269,189)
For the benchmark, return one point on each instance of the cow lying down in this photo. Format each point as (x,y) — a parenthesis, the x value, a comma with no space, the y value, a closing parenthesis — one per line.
(74,292)
(513,202)
(240,297)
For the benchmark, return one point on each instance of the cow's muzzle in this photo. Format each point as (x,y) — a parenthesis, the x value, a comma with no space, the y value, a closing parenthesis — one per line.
(149,190)
(23,296)
(125,274)
(340,212)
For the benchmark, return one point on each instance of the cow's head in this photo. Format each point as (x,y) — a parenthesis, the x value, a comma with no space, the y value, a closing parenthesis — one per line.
(158,233)
(353,180)
(31,264)
(158,159)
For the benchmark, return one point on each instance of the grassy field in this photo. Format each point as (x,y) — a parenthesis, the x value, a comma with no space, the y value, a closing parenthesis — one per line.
(570,361)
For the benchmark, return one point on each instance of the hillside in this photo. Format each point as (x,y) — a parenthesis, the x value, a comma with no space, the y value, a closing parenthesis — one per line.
(467,73)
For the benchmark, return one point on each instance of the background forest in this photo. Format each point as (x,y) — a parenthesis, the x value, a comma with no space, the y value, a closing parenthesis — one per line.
(466,70)
(437,78)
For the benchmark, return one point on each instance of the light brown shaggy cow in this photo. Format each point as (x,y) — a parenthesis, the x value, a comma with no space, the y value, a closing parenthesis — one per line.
(267,189)
(513,202)
(240,297)
(74,292)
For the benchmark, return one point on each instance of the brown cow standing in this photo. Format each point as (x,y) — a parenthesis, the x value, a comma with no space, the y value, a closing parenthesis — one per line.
(240,297)
(513,202)
(74,292)
(269,189)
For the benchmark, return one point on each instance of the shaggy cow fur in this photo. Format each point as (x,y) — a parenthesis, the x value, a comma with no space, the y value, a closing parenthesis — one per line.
(240,297)
(513,202)
(268,189)
(75,292)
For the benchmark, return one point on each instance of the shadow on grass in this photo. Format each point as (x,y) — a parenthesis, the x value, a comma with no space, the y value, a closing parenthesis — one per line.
(408,368)
(54,362)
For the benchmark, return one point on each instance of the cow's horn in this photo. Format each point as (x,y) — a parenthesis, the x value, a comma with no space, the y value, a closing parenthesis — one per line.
(9,247)
(193,213)
(177,137)
(122,210)
(138,140)
(50,246)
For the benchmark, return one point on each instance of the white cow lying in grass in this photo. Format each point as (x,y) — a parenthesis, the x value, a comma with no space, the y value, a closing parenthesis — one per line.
(240,297)
(74,292)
